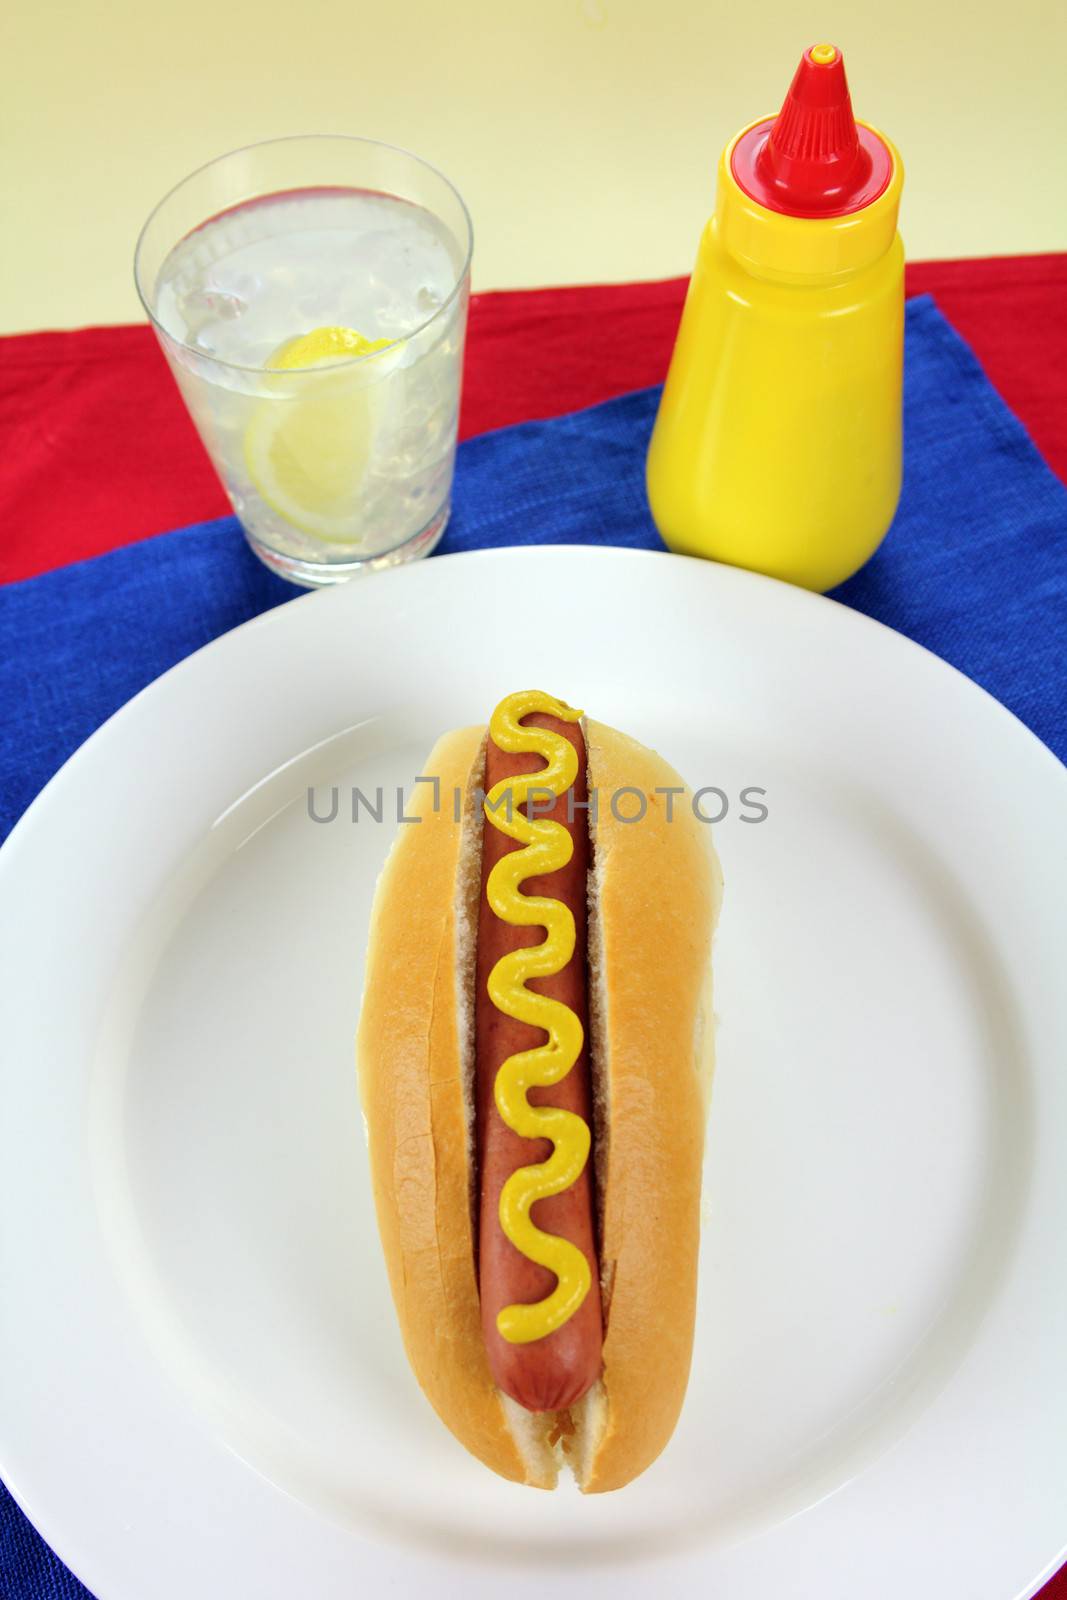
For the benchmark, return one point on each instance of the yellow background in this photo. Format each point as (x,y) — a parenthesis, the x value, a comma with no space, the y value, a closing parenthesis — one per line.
(583,133)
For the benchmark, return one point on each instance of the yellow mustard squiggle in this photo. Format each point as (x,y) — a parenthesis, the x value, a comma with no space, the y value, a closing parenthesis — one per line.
(548,847)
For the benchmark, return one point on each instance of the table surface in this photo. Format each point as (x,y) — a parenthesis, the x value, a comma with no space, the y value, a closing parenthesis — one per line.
(97,450)
(583,133)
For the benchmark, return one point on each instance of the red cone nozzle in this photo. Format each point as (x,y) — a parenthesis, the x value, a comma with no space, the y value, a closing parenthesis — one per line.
(813,160)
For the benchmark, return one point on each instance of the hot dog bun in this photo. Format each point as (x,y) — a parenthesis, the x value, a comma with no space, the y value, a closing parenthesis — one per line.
(654,900)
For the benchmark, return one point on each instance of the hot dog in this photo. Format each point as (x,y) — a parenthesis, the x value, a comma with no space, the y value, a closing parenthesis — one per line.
(534,1064)
(554,1372)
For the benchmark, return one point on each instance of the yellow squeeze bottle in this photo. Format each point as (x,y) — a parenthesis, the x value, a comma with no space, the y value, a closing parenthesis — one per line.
(777,445)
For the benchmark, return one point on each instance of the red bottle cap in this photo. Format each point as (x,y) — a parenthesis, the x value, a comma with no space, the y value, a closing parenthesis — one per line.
(812,160)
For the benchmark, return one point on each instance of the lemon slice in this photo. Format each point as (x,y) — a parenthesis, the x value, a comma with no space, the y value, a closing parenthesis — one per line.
(322,345)
(307,449)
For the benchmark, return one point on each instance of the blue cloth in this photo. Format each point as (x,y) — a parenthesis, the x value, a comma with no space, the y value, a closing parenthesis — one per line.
(975,567)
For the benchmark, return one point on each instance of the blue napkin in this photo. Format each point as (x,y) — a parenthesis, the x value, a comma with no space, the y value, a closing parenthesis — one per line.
(974,567)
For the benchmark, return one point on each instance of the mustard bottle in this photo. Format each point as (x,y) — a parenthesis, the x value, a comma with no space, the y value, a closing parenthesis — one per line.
(777,445)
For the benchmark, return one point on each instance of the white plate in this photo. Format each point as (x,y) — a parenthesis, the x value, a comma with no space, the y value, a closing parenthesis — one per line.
(203,1390)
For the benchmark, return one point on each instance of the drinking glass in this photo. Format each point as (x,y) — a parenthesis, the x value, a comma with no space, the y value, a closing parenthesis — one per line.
(310,295)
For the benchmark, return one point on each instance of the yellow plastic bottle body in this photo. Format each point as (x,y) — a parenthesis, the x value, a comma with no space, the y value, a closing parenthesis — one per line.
(778,440)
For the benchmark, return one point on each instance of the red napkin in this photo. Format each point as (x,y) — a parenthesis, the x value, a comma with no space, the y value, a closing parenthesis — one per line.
(98,450)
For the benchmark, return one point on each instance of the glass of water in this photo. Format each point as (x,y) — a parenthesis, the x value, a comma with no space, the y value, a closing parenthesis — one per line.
(310,295)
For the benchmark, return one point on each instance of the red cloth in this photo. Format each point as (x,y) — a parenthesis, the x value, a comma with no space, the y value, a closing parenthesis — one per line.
(97,449)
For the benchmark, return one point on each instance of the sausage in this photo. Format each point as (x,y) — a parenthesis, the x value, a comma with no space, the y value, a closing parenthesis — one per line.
(552,1373)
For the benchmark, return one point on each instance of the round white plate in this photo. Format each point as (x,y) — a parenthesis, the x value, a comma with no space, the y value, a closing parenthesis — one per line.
(203,1389)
